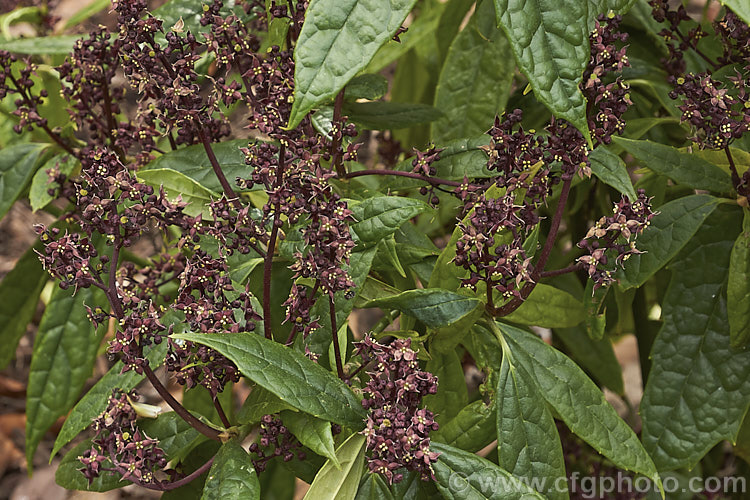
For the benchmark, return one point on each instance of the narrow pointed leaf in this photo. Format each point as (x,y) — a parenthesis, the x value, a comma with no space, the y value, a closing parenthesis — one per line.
(381,216)
(610,169)
(288,374)
(311,432)
(434,307)
(17,166)
(232,475)
(340,483)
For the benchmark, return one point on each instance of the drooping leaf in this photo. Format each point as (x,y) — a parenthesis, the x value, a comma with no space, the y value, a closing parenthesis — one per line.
(461,475)
(288,374)
(177,185)
(528,444)
(682,168)
(232,475)
(432,306)
(550,43)
(578,402)
(311,432)
(39,196)
(384,115)
(17,166)
(696,377)
(738,287)
(45,45)
(192,161)
(669,231)
(610,169)
(94,402)
(548,307)
(381,216)
(19,295)
(338,39)
(340,483)
(471,430)
(474,83)
(64,353)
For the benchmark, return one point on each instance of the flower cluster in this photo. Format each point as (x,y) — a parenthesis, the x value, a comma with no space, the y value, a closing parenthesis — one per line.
(614,238)
(422,164)
(397,430)
(22,85)
(120,445)
(274,440)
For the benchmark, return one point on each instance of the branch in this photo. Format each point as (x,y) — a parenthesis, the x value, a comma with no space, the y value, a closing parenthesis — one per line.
(335,333)
(270,250)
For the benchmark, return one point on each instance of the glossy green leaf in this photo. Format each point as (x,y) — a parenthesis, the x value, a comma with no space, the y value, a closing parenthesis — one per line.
(550,43)
(64,352)
(19,296)
(597,7)
(68,474)
(45,45)
(669,231)
(288,374)
(232,475)
(682,168)
(373,487)
(452,394)
(696,376)
(738,287)
(474,83)
(192,161)
(39,196)
(177,185)
(384,115)
(17,166)
(340,483)
(461,475)
(432,306)
(739,7)
(94,402)
(176,436)
(471,430)
(312,432)
(610,169)
(595,356)
(368,86)
(527,441)
(260,402)
(338,39)
(578,402)
(381,216)
(548,307)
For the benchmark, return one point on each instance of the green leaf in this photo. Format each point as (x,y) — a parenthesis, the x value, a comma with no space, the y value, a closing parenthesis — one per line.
(190,12)
(610,169)
(527,441)
(40,184)
(46,45)
(669,231)
(19,295)
(340,483)
(548,307)
(176,436)
(17,165)
(368,86)
(471,430)
(597,7)
(682,168)
(384,115)
(696,376)
(550,43)
(738,287)
(432,306)
(373,487)
(64,352)
(95,401)
(312,432)
(595,356)
(739,7)
(381,216)
(288,374)
(193,162)
(260,402)
(578,402)
(338,39)
(232,475)
(179,185)
(69,476)
(475,81)
(452,394)
(86,12)
(460,475)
